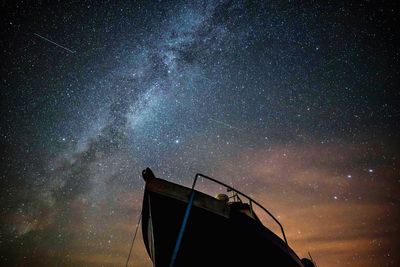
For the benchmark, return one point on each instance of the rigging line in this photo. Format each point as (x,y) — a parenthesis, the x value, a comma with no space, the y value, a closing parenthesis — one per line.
(133,240)
(183,226)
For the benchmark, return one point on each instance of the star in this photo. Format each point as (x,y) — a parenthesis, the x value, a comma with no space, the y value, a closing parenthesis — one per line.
(270,98)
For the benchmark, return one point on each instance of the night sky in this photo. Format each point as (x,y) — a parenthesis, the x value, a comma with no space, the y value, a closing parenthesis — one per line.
(295,103)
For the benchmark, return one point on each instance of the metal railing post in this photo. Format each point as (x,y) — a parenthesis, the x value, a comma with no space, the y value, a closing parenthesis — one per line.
(246,196)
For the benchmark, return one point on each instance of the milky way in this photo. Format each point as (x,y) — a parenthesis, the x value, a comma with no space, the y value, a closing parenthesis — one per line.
(293,103)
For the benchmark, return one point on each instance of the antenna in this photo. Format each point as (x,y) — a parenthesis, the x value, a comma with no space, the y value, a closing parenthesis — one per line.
(315,264)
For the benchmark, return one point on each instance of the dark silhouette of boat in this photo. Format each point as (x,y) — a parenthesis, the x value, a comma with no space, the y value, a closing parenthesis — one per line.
(184,227)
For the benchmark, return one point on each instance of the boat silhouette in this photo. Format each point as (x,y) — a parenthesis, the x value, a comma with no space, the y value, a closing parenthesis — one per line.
(185,227)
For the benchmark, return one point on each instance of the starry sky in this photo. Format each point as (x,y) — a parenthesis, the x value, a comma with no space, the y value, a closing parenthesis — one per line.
(292,102)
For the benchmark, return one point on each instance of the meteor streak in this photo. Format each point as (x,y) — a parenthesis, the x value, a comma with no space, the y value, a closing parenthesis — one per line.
(225,124)
(63,47)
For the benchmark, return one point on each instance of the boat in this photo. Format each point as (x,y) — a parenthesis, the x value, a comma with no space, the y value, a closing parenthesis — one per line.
(185,227)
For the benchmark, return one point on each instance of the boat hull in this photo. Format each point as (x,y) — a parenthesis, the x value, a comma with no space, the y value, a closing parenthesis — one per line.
(214,235)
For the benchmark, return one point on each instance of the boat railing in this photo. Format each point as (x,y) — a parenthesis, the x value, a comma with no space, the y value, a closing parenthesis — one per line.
(251,201)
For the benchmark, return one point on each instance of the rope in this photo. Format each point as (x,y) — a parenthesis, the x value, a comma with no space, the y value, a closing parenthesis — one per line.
(133,240)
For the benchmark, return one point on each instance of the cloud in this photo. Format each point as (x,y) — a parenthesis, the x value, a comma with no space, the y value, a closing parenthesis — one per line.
(342,220)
